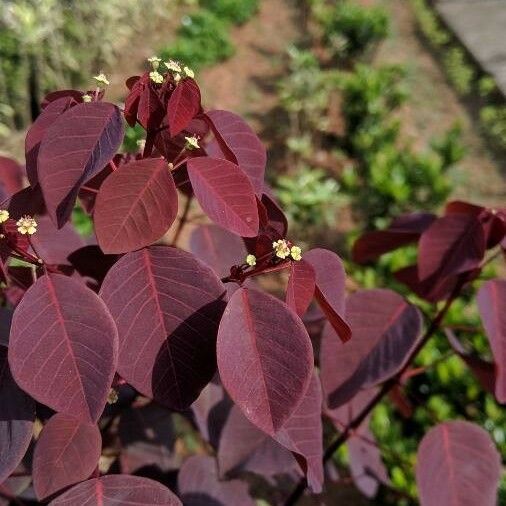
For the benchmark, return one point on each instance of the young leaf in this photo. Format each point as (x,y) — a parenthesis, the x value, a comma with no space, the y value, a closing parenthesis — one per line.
(301,286)
(117,489)
(457,464)
(385,329)
(16,420)
(330,288)
(491,304)
(183,106)
(225,194)
(66,452)
(199,485)
(63,347)
(260,335)
(78,145)
(167,306)
(451,245)
(135,206)
(234,135)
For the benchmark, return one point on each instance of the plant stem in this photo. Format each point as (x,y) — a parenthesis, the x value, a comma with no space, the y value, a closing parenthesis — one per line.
(385,388)
(182,220)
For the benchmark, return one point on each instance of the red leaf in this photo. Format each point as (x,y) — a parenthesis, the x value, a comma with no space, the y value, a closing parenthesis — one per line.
(199,485)
(402,231)
(118,489)
(491,304)
(16,420)
(457,464)
(76,146)
(183,106)
(451,245)
(235,135)
(66,452)
(385,329)
(330,288)
(63,347)
(37,131)
(56,95)
(135,206)
(150,109)
(225,194)
(11,177)
(259,335)
(301,286)
(167,306)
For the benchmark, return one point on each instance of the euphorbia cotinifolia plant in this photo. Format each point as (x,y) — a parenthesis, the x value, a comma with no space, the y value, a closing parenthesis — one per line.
(109,337)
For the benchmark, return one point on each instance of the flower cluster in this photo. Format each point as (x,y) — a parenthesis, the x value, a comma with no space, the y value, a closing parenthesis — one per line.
(284,249)
(27,225)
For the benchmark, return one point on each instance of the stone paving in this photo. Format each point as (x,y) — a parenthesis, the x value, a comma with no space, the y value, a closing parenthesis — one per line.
(481,27)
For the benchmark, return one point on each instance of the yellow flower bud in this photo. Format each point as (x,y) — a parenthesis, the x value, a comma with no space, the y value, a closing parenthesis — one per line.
(27,225)
(251,260)
(102,79)
(281,248)
(4,215)
(156,77)
(192,143)
(296,253)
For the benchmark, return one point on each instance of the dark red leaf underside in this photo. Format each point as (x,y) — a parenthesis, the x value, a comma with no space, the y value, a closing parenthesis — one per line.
(167,306)
(66,452)
(457,465)
(264,358)
(116,490)
(78,145)
(183,106)
(135,206)
(225,194)
(492,307)
(301,286)
(16,420)
(63,347)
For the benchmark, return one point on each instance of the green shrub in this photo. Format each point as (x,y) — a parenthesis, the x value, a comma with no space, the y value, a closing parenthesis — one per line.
(493,122)
(429,23)
(202,39)
(236,12)
(460,73)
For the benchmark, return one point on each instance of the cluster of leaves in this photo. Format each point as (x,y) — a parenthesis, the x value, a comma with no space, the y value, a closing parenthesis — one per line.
(233,11)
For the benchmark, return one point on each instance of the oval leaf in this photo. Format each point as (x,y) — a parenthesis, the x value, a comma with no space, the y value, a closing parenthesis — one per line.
(79,144)
(167,306)
(11,177)
(135,206)
(457,464)
(235,135)
(63,347)
(16,420)
(66,452)
(117,489)
(183,106)
(225,194)
(385,329)
(301,286)
(491,304)
(259,335)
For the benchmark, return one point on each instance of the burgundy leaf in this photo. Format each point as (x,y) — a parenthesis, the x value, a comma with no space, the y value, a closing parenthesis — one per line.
(37,131)
(183,106)
(116,490)
(147,438)
(135,206)
(457,464)
(344,415)
(199,485)
(402,231)
(265,358)
(217,247)
(234,134)
(492,304)
(56,95)
(16,420)
(26,201)
(11,177)
(78,145)
(275,216)
(385,330)
(5,325)
(167,306)
(66,452)
(301,286)
(330,288)
(451,245)
(302,434)
(91,262)
(150,109)
(225,194)
(63,347)
(367,468)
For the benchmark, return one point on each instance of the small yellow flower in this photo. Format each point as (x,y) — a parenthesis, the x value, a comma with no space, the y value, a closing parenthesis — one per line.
(27,225)
(156,77)
(155,62)
(189,72)
(87,98)
(173,66)
(251,260)
(112,396)
(101,79)
(296,253)
(177,78)
(281,248)
(192,143)
(4,215)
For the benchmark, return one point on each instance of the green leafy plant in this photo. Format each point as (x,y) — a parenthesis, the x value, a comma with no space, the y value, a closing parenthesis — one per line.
(233,11)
